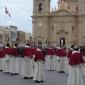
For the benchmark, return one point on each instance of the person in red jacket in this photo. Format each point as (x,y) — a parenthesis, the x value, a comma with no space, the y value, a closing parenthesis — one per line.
(83,54)
(2,55)
(69,52)
(76,62)
(6,60)
(39,74)
(61,62)
(27,69)
(14,61)
(50,65)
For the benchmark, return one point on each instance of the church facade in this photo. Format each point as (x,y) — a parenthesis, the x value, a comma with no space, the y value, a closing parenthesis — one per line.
(66,23)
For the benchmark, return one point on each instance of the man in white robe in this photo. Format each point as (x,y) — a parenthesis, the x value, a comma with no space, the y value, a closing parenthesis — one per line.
(6,60)
(75,62)
(27,69)
(39,71)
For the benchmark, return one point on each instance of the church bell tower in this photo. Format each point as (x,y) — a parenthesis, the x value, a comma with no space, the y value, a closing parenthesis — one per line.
(41,7)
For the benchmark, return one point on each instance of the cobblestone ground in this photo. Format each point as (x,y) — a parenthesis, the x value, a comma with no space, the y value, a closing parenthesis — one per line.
(52,78)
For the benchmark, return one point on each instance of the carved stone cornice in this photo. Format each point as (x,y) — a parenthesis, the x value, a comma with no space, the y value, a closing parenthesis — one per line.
(62,31)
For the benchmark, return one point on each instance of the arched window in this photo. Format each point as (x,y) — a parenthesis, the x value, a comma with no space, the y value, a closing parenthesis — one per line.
(40,7)
(72,28)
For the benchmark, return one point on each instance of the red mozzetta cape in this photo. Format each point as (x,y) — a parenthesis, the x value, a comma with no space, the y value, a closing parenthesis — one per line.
(2,54)
(39,56)
(15,52)
(8,51)
(75,59)
(33,50)
(50,51)
(56,52)
(27,52)
(69,53)
(62,53)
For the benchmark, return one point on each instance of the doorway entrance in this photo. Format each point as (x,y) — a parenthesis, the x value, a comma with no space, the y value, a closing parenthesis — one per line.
(62,41)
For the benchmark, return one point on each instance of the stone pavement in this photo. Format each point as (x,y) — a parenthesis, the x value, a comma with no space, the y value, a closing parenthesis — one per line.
(52,78)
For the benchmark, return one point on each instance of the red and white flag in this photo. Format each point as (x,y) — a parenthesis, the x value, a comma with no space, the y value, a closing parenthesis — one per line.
(7,12)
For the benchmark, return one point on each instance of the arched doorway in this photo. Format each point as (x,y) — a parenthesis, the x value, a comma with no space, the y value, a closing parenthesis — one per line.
(39,43)
(62,41)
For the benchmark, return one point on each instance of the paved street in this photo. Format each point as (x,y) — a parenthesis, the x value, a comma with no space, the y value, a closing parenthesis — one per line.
(52,78)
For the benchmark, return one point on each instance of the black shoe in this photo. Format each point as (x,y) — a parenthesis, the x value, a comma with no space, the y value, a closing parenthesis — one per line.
(42,81)
(1,70)
(12,74)
(16,73)
(50,70)
(30,77)
(61,72)
(37,81)
(25,77)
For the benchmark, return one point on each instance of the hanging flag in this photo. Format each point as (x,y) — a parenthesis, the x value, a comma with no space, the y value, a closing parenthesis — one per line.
(7,12)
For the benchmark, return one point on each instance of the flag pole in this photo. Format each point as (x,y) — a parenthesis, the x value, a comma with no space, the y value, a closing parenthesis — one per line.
(4,18)
(4,13)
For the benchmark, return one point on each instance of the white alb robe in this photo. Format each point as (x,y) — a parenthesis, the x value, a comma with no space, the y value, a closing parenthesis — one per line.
(50,63)
(27,69)
(6,63)
(75,75)
(39,71)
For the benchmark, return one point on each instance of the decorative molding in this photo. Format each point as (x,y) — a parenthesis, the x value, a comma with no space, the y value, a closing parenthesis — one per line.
(62,31)
(39,37)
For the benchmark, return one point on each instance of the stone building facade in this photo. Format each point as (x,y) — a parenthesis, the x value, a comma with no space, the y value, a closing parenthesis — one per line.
(8,34)
(27,36)
(21,37)
(67,23)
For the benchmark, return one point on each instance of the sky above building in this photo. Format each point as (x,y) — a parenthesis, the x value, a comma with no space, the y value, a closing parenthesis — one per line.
(20,11)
